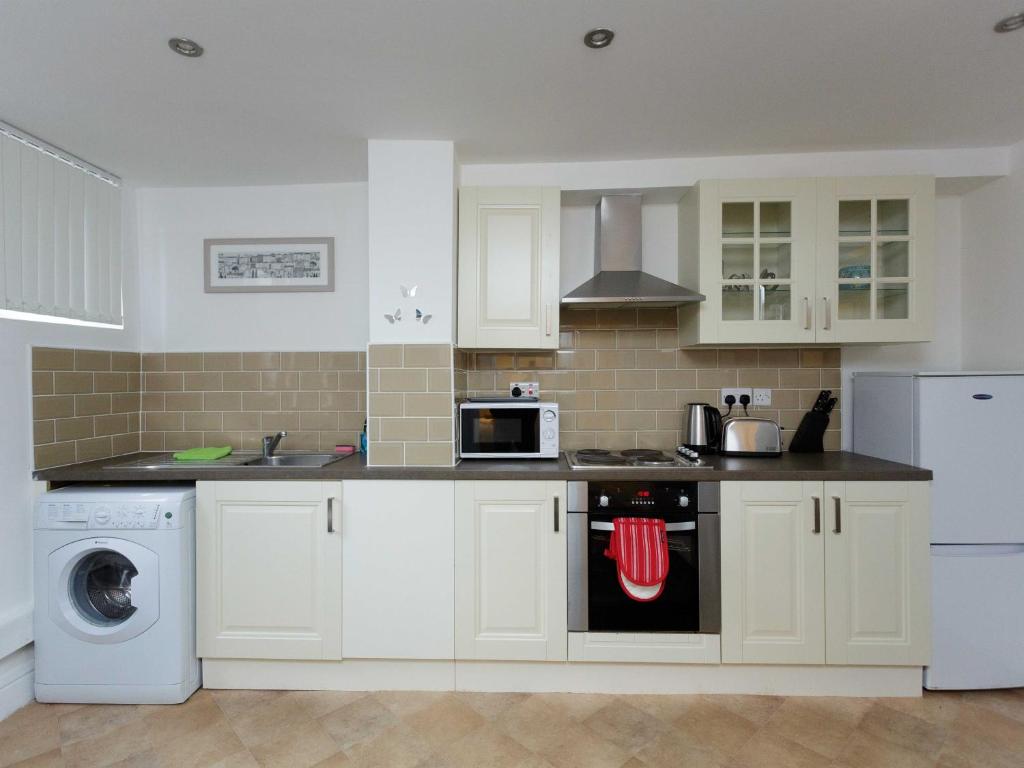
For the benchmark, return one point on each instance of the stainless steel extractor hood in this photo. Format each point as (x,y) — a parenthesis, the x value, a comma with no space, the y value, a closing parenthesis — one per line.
(620,282)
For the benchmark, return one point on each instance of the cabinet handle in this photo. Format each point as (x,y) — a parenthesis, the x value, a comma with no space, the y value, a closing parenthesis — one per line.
(817,515)
(330,514)
(839,516)
(807,313)
(556,514)
(828,313)
(547,319)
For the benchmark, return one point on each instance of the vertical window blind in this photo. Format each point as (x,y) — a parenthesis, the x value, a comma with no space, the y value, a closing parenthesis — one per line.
(60,233)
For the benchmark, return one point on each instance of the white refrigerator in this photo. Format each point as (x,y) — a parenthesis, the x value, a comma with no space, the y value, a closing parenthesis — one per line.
(968,428)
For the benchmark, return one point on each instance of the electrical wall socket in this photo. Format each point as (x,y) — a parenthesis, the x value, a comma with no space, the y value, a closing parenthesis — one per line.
(762,397)
(526,389)
(735,392)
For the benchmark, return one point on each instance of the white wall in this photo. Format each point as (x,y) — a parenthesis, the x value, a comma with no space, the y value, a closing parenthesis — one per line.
(993,272)
(412,239)
(687,171)
(16,339)
(180,316)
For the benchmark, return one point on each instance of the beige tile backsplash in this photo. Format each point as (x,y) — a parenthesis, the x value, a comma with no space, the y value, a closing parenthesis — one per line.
(85,405)
(411,402)
(621,381)
(194,399)
(618,376)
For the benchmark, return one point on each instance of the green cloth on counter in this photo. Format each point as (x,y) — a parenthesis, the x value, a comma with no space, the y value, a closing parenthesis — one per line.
(203,454)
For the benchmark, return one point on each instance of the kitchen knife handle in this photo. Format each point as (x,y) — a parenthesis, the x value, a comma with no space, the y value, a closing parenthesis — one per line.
(839,515)
(330,514)
(807,313)
(828,313)
(817,515)
(556,514)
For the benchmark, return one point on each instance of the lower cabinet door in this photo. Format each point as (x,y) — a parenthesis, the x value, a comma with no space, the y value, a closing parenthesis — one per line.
(268,569)
(510,571)
(877,593)
(398,569)
(773,573)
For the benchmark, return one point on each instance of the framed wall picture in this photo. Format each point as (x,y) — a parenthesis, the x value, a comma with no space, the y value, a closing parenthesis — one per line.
(267,264)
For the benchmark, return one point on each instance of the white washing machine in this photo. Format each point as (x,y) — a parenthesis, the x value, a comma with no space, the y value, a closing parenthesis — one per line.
(115,595)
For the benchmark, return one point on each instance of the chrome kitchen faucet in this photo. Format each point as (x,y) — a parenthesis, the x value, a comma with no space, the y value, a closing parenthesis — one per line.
(270,443)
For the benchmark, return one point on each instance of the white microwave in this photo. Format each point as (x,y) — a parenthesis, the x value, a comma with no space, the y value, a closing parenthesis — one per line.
(514,429)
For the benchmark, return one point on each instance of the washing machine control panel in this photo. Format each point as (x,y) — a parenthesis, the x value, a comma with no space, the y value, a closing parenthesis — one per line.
(111,515)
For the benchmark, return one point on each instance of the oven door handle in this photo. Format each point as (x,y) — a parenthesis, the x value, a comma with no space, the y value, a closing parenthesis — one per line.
(670,527)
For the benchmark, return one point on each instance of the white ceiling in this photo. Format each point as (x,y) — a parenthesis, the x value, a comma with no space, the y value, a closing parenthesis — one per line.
(289,90)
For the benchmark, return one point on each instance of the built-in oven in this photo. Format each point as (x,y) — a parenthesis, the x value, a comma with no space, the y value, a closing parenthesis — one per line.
(690,600)
(508,429)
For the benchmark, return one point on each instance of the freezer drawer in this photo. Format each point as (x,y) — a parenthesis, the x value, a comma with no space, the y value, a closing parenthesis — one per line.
(977,620)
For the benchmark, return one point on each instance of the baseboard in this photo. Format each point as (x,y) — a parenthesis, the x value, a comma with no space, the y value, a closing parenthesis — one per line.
(539,677)
(560,677)
(348,675)
(17,679)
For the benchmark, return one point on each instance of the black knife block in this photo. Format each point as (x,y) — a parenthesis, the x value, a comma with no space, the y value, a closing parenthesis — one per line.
(810,435)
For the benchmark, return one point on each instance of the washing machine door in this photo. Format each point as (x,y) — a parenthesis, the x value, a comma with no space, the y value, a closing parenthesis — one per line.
(104,590)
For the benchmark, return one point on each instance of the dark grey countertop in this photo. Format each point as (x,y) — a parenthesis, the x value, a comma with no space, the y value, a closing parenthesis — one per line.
(838,465)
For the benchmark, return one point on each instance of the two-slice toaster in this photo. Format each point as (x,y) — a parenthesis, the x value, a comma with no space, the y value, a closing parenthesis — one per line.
(749,436)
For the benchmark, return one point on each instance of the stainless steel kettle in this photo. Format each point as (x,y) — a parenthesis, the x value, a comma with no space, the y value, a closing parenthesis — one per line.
(703,428)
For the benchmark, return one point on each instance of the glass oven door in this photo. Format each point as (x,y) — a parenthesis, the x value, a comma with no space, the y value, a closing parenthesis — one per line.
(497,430)
(677,609)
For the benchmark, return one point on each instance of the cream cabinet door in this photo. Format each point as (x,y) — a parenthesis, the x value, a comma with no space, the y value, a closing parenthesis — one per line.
(876,263)
(773,573)
(508,267)
(268,570)
(757,260)
(398,540)
(510,571)
(877,594)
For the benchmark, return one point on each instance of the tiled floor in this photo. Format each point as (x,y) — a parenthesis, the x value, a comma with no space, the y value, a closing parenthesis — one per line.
(234,729)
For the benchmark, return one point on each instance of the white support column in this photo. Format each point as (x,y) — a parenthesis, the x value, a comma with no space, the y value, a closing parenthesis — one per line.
(412,211)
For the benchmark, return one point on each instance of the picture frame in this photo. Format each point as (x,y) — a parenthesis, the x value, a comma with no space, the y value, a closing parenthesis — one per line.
(268,264)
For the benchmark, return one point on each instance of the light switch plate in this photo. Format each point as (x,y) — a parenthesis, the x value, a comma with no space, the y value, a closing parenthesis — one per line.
(762,397)
(735,392)
(526,389)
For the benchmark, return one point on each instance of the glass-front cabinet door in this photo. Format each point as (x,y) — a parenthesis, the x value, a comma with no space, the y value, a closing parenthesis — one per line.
(759,246)
(875,273)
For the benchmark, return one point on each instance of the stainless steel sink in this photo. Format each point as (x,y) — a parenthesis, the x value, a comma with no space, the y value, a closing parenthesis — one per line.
(295,460)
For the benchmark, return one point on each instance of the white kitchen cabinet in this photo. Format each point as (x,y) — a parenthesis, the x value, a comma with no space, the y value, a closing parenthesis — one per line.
(773,573)
(877,568)
(508,293)
(797,261)
(510,571)
(749,247)
(398,565)
(876,268)
(268,567)
(825,573)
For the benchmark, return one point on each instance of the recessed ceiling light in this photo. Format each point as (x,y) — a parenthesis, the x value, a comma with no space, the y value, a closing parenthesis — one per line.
(185,47)
(598,38)
(1011,23)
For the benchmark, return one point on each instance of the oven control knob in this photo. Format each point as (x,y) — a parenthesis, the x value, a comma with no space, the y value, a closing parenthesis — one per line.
(684,501)
(549,415)
(603,501)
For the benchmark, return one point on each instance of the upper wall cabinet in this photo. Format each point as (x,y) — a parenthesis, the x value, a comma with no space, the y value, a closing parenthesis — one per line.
(797,261)
(508,267)
(753,246)
(876,270)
